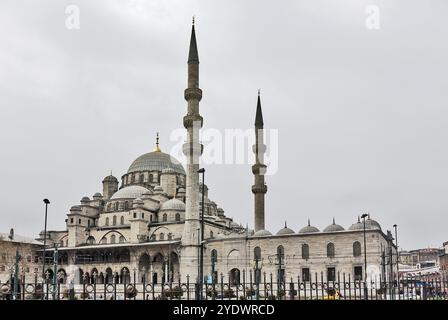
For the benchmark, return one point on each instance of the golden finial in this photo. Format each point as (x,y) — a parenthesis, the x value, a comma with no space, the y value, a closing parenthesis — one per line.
(157,149)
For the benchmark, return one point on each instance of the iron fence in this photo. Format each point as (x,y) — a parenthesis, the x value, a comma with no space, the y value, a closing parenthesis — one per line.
(266,288)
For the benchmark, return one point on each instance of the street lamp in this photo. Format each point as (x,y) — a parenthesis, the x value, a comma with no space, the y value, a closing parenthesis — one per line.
(365,254)
(47,202)
(398,259)
(201,258)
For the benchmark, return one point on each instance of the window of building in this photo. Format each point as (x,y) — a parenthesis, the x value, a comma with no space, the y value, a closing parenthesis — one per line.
(257,254)
(28,259)
(280,254)
(107,222)
(170,236)
(79,221)
(164,217)
(140,179)
(306,274)
(112,238)
(177,216)
(151,178)
(356,249)
(104,240)
(2,268)
(27,269)
(71,220)
(331,274)
(121,239)
(122,220)
(125,205)
(330,250)
(358,273)
(135,215)
(162,236)
(36,259)
(116,206)
(153,237)
(305,251)
(211,234)
(114,220)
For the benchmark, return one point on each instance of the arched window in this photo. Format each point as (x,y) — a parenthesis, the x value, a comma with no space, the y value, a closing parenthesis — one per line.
(132,178)
(330,250)
(114,220)
(214,256)
(109,207)
(121,239)
(140,178)
(122,220)
(107,222)
(164,217)
(112,238)
(162,236)
(257,254)
(126,204)
(280,253)
(177,216)
(91,240)
(151,178)
(356,249)
(305,251)
(104,240)
(170,236)
(116,206)
(211,234)
(61,244)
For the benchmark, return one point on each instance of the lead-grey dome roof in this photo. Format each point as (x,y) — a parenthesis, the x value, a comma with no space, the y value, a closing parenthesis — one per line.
(156,161)
(309,228)
(129,192)
(262,233)
(173,204)
(334,227)
(285,230)
(372,224)
(357,226)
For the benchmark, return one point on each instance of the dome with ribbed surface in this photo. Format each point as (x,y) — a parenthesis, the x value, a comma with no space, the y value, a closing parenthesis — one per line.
(156,161)
(357,226)
(129,192)
(173,204)
(372,224)
(285,230)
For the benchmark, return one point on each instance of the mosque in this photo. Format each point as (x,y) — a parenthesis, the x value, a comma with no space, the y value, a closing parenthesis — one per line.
(149,222)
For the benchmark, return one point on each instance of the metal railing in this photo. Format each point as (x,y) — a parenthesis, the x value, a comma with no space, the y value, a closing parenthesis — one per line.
(266,288)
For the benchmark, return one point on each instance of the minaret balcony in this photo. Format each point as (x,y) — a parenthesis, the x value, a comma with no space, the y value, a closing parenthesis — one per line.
(193,121)
(192,148)
(259,189)
(193,93)
(259,169)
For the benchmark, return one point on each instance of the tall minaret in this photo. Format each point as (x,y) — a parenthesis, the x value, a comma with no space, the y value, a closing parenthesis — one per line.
(259,169)
(192,150)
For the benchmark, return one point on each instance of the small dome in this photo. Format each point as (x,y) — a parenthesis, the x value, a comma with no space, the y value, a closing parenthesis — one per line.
(262,233)
(357,226)
(173,204)
(334,227)
(168,170)
(309,229)
(110,178)
(75,208)
(285,230)
(129,192)
(158,189)
(181,190)
(372,224)
(97,195)
(233,224)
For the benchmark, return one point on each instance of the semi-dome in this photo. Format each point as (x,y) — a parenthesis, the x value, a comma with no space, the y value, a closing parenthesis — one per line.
(156,161)
(309,228)
(129,192)
(334,227)
(285,230)
(173,204)
(262,233)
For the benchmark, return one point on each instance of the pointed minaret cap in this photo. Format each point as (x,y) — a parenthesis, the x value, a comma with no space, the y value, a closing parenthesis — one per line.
(259,114)
(193,57)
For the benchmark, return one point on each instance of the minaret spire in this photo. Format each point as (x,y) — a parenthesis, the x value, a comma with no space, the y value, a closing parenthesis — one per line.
(259,188)
(192,149)
(157,149)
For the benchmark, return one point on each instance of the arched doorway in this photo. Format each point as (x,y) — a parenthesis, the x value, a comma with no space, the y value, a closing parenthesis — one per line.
(109,276)
(49,276)
(144,268)
(125,275)
(234,277)
(100,279)
(61,276)
(80,276)
(158,268)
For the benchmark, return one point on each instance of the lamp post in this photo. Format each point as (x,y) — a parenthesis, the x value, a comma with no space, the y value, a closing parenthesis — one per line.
(398,259)
(201,256)
(47,202)
(365,255)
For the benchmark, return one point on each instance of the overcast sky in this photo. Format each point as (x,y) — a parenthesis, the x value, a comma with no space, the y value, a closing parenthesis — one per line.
(361,113)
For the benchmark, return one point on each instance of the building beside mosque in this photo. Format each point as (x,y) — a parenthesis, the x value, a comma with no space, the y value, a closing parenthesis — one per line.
(147,222)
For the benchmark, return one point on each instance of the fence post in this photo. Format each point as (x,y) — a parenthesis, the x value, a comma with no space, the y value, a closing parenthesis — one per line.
(291,290)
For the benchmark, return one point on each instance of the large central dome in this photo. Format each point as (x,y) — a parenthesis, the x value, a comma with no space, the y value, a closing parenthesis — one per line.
(156,161)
